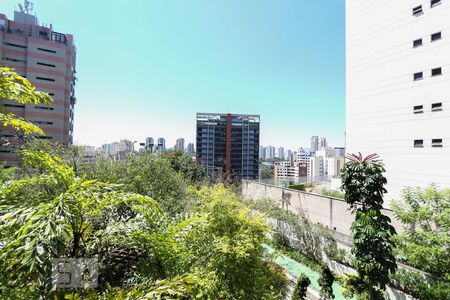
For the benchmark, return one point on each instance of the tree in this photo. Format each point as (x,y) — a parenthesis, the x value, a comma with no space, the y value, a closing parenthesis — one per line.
(325,281)
(301,287)
(266,172)
(363,183)
(424,244)
(18,89)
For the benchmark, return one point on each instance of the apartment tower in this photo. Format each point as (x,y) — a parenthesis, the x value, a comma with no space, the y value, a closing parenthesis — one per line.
(47,59)
(229,143)
(398,88)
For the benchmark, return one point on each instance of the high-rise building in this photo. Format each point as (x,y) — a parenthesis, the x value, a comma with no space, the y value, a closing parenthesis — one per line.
(149,143)
(179,146)
(190,148)
(269,152)
(281,153)
(161,146)
(323,143)
(397,102)
(261,152)
(314,143)
(229,143)
(47,59)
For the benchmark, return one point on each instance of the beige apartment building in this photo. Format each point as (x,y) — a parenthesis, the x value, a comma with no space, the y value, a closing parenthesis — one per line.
(47,59)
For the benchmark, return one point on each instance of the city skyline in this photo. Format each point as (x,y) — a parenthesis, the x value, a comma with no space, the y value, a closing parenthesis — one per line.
(177,58)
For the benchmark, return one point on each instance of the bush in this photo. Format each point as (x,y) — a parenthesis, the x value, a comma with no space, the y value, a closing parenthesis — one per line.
(299,187)
(325,281)
(300,289)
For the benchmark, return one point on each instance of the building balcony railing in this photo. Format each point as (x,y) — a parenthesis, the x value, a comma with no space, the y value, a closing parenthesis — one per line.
(52,37)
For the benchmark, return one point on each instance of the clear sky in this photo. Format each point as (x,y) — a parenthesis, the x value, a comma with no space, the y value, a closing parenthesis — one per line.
(145,67)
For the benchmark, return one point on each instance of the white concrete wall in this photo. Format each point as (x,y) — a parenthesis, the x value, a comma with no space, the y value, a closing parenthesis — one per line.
(381,92)
(330,212)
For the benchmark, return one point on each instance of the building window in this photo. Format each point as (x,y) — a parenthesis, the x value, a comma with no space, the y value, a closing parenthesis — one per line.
(418,75)
(46,50)
(418,109)
(14,105)
(434,3)
(15,60)
(45,78)
(436,143)
(436,71)
(43,123)
(418,143)
(436,36)
(46,65)
(417,43)
(46,137)
(436,106)
(44,107)
(15,45)
(417,11)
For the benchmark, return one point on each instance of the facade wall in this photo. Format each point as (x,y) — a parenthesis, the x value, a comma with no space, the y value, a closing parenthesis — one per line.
(47,60)
(229,143)
(382,92)
(330,212)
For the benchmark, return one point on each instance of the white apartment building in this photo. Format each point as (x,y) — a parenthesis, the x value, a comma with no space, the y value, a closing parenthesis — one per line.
(324,164)
(398,88)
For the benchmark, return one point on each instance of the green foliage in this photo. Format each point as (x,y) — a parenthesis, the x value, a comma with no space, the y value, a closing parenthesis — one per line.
(212,251)
(193,172)
(266,172)
(331,193)
(145,174)
(16,88)
(425,241)
(421,286)
(363,183)
(301,287)
(325,281)
(299,187)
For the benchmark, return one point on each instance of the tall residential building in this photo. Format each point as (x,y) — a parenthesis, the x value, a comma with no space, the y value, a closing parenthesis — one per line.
(190,148)
(323,143)
(269,152)
(280,153)
(397,102)
(149,143)
(179,146)
(229,143)
(47,59)
(261,152)
(314,143)
(161,146)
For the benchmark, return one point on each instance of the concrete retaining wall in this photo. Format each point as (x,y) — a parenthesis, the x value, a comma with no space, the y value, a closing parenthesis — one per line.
(328,211)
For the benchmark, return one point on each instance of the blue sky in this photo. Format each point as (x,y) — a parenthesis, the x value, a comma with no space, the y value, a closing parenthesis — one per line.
(146,67)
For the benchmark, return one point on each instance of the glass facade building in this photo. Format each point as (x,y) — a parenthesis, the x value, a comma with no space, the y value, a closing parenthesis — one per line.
(229,143)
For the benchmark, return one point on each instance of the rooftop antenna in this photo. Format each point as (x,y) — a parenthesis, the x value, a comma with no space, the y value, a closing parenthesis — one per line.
(27,7)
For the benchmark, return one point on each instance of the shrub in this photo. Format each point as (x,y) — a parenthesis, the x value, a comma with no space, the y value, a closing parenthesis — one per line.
(300,289)
(325,281)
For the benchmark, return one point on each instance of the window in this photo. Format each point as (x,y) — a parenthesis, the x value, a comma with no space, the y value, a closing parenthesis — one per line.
(436,36)
(434,3)
(418,143)
(436,71)
(15,45)
(43,123)
(44,137)
(417,43)
(47,65)
(46,50)
(51,94)
(436,143)
(14,105)
(44,107)
(418,75)
(436,106)
(418,109)
(44,78)
(15,60)
(417,11)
